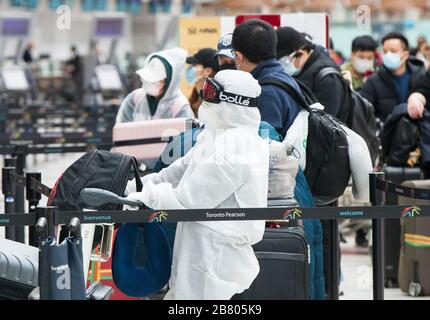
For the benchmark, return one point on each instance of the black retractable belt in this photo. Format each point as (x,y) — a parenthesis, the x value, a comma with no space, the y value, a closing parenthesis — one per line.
(415,193)
(32,184)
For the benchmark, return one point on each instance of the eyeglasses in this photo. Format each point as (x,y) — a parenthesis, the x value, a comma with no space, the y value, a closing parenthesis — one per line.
(213,92)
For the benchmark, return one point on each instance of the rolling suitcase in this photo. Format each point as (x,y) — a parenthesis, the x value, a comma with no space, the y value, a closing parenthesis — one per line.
(414,264)
(392,228)
(283,255)
(18,270)
(284,260)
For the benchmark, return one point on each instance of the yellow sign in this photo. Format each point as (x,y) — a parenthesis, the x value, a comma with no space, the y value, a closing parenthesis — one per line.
(196,33)
(199,32)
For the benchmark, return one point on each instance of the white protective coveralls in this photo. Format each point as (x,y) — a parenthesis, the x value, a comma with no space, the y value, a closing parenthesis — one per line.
(173,103)
(227,168)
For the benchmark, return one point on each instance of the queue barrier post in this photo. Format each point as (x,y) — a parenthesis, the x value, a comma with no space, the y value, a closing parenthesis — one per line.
(377,198)
(19,193)
(49,213)
(9,198)
(33,197)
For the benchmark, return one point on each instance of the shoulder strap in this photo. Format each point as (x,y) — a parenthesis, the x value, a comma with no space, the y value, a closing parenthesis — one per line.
(292,92)
(324,72)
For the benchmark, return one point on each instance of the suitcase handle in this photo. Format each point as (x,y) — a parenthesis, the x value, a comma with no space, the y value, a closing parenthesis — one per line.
(98,197)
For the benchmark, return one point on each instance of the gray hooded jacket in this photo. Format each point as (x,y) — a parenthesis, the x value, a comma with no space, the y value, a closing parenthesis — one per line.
(173,104)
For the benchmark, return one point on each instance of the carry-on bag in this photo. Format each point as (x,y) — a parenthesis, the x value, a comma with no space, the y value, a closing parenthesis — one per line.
(414,264)
(284,260)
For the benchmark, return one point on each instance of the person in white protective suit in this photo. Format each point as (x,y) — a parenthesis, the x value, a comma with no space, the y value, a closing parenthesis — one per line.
(227,168)
(160,96)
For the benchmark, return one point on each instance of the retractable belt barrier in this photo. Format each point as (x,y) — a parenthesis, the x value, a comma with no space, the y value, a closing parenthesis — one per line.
(235,214)
(34,184)
(377,213)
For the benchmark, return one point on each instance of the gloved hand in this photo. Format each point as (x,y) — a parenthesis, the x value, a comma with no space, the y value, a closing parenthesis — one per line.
(131,184)
(147,196)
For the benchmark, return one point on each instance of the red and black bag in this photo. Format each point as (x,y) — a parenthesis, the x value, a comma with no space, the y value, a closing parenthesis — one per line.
(96,169)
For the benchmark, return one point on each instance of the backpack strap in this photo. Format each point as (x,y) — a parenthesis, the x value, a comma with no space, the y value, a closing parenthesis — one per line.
(292,92)
(135,169)
(324,72)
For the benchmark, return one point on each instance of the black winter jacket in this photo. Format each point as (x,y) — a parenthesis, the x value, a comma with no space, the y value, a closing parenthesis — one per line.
(379,89)
(423,87)
(330,91)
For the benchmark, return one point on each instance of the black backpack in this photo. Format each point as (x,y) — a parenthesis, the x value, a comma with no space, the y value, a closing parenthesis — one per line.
(399,139)
(96,169)
(327,161)
(361,118)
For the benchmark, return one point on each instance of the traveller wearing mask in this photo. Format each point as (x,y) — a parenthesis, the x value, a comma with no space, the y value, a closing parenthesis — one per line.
(393,82)
(254,45)
(304,60)
(362,63)
(227,168)
(224,54)
(202,65)
(160,96)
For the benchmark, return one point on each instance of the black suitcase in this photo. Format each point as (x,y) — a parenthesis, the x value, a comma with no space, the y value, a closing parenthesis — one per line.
(283,255)
(392,227)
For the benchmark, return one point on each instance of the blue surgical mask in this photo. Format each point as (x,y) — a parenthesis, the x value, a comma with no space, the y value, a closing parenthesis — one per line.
(290,68)
(392,60)
(191,75)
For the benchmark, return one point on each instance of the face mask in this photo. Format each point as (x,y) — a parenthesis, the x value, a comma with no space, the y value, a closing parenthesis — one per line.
(152,88)
(392,61)
(290,68)
(227,66)
(191,75)
(288,64)
(362,65)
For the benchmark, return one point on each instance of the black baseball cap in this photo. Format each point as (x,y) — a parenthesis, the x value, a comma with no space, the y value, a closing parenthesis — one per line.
(205,57)
(289,40)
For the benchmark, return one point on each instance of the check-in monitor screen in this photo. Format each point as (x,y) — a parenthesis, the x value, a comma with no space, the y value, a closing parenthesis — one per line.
(109,27)
(108,78)
(14,79)
(15,27)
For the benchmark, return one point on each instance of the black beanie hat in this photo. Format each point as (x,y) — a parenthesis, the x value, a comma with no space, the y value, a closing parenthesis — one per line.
(289,40)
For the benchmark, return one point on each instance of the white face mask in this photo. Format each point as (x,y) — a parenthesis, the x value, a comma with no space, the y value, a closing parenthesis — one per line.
(152,88)
(362,65)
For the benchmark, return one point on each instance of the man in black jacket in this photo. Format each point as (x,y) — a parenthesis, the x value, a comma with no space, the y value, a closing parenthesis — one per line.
(395,80)
(419,109)
(305,61)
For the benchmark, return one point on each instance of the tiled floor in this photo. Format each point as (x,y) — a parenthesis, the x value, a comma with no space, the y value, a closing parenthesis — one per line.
(356,264)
